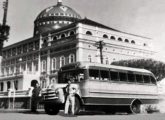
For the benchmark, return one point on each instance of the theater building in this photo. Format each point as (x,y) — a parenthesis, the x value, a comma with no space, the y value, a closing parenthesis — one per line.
(61,37)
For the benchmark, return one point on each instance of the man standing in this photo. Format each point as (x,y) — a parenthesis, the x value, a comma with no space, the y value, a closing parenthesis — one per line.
(35,97)
(70,99)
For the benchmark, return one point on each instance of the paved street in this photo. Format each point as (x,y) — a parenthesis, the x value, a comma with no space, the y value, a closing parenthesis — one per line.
(25,115)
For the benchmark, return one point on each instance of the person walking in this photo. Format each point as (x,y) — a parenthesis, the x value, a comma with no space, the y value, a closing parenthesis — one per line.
(35,97)
(70,98)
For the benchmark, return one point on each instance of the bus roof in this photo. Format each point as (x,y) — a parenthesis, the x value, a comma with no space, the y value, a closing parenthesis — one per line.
(90,64)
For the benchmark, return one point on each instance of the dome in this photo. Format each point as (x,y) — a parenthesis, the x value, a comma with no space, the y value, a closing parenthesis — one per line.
(54,17)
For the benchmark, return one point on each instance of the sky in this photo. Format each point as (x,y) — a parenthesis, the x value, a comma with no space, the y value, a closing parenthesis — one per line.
(140,17)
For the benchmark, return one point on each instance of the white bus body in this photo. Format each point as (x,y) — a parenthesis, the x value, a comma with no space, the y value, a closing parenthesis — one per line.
(107,87)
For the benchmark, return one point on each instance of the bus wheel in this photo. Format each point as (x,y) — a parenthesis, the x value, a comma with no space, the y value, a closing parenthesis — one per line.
(77,106)
(135,107)
(51,110)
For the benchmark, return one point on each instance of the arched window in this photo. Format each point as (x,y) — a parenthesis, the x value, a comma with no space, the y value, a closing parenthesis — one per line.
(120,39)
(16,84)
(71,33)
(113,38)
(55,38)
(43,65)
(71,58)
(126,40)
(63,35)
(2,85)
(89,58)
(8,85)
(105,36)
(62,61)
(133,42)
(53,64)
(89,33)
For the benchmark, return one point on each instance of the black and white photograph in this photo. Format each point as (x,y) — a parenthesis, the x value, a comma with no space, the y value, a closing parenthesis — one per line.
(82,59)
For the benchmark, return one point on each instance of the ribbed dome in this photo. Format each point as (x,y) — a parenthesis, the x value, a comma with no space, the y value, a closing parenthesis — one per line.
(55,17)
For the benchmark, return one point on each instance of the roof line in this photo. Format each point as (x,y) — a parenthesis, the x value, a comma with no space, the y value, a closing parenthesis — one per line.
(90,22)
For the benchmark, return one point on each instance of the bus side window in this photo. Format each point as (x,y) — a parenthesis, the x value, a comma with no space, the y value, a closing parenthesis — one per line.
(139,78)
(123,76)
(153,81)
(94,74)
(114,76)
(146,78)
(131,77)
(104,74)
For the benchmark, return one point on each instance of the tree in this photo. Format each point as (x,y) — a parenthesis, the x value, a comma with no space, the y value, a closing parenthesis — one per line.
(156,67)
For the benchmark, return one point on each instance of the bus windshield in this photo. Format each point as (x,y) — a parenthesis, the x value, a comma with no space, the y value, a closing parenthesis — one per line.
(76,75)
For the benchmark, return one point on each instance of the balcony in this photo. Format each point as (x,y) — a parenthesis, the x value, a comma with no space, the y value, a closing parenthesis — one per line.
(8,76)
(63,40)
(20,74)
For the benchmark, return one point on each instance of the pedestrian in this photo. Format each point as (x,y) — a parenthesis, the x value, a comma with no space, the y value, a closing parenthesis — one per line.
(35,97)
(70,98)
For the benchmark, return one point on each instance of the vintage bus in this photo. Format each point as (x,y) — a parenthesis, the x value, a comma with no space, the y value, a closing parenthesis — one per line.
(103,87)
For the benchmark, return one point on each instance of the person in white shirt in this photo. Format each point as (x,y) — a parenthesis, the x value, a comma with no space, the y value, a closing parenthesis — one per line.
(70,99)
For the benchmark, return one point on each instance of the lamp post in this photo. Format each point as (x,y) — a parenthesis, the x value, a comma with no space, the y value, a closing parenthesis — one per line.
(15,82)
(100,44)
(4,30)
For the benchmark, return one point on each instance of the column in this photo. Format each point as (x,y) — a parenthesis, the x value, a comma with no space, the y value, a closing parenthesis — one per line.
(79,52)
(5,86)
(12,85)
(0,65)
(48,67)
(32,66)
(20,67)
(26,67)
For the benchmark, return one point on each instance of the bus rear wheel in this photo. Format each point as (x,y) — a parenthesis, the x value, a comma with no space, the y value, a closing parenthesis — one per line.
(135,107)
(51,110)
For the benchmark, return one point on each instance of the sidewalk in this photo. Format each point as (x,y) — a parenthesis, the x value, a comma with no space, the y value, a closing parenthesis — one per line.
(18,110)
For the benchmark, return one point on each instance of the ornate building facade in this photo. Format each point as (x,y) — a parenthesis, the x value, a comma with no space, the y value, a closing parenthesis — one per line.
(61,37)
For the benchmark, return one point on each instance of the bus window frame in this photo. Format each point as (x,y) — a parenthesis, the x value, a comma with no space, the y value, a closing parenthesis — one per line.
(99,75)
(69,70)
(118,71)
(126,77)
(89,77)
(137,80)
(155,81)
(107,70)
(149,79)
(134,77)
(114,70)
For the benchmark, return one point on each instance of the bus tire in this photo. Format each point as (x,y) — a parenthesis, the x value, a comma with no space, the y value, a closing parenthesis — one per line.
(77,106)
(135,107)
(51,110)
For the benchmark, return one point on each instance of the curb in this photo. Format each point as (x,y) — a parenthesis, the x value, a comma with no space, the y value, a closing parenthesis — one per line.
(18,110)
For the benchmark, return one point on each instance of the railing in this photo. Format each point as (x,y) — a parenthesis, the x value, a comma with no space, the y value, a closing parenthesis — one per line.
(20,99)
(17,74)
(20,93)
(63,40)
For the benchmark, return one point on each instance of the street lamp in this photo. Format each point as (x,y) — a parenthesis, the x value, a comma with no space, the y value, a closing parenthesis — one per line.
(15,83)
(100,44)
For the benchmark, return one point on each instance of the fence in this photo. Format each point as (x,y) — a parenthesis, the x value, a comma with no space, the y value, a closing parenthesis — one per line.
(16,100)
